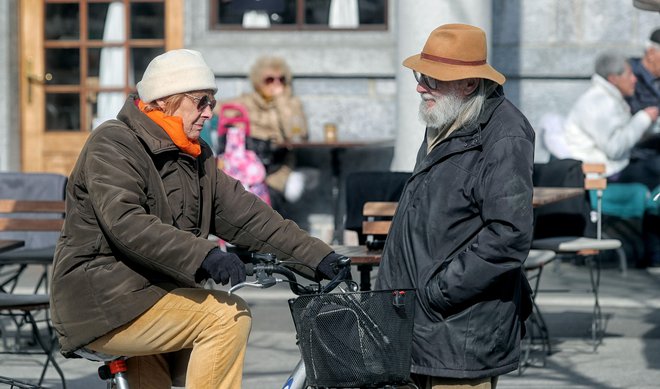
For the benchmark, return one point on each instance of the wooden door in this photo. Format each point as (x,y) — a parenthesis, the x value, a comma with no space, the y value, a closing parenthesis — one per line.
(78,62)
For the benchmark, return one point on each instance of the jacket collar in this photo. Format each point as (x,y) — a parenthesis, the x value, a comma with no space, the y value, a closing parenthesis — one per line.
(611,90)
(463,139)
(151,134)
(607,86)
(642,73)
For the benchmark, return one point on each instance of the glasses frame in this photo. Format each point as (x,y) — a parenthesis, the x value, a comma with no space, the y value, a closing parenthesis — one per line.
(202,101)
(269,80)
(426,81)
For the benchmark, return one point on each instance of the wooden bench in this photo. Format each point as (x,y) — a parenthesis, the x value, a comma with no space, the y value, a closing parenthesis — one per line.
(28,216)
(378,219)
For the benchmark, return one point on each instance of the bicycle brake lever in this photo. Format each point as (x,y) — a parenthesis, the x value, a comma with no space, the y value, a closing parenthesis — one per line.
(260,284)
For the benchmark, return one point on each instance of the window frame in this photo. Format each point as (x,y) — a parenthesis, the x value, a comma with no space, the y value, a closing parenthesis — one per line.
(215,25)
(84,44)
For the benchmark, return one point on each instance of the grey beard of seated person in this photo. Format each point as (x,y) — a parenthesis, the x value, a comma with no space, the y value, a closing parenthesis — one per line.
(452,111)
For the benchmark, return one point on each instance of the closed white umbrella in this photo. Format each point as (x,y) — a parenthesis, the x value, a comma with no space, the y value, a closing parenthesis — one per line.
(112,65)
(344,14)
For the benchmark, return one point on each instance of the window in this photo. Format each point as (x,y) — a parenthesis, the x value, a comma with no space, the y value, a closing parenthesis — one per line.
(90,63)
(299,14)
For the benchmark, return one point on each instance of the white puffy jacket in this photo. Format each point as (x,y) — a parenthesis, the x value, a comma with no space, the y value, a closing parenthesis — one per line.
(600,128)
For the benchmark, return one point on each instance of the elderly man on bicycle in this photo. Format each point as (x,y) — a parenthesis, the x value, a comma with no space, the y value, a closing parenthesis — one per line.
(141,202)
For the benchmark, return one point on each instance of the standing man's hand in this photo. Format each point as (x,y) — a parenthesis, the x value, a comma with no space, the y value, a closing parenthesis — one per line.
(222,267)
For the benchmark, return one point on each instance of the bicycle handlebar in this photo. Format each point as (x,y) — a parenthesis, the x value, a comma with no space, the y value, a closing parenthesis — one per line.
(266,265)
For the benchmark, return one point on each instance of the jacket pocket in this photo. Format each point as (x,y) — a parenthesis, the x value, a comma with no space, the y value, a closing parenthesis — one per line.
(425,298)
(114,275)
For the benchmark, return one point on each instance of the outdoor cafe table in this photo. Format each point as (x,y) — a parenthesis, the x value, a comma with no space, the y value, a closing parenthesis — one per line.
(336,149)
(548,195)
(6,245)
(365,259)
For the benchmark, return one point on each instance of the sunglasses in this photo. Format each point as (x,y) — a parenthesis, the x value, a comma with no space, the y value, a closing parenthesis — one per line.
(202,101)
(426,81)
(269,80)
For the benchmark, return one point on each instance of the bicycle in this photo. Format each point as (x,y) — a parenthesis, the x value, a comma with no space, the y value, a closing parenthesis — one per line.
(347,340)
(382,359)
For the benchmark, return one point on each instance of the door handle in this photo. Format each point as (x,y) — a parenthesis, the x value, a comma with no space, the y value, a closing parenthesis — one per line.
(33,78)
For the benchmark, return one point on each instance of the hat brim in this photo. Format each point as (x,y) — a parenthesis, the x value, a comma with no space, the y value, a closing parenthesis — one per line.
(449,72)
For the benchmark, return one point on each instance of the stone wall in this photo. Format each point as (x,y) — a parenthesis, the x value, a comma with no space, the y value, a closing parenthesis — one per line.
(362,108)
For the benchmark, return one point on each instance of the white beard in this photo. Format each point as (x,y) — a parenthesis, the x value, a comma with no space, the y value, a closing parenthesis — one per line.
(443,113)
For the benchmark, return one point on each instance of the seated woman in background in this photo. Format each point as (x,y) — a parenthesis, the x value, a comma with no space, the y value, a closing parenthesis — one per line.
(276,116)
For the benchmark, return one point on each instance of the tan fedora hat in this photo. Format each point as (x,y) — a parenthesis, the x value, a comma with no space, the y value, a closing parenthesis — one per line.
(455,52)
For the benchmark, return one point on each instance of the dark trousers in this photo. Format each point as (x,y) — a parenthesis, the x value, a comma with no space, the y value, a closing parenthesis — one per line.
(643,170)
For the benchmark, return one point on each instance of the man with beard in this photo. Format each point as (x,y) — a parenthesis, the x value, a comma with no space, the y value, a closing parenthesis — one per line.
(463,226)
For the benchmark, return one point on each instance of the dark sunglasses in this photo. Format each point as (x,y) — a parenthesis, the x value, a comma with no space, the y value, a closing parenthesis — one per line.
(270,80)
(202,101)
(426,81)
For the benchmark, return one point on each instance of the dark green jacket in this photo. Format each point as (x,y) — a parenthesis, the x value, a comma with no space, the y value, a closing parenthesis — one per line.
(139,212)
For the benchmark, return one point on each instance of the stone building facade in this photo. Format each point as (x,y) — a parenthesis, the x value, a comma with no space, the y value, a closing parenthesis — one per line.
(545,48)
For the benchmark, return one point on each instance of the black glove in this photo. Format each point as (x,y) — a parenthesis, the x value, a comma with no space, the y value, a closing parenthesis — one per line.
(221,267)
(328,268)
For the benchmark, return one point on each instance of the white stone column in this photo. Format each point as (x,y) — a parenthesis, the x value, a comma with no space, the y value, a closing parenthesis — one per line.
(10,104)
(415,21)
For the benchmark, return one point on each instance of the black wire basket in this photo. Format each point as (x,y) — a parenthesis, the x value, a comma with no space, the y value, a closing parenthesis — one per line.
(360,339)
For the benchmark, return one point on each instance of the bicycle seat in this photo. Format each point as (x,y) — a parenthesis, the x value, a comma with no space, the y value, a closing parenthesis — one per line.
(95,355)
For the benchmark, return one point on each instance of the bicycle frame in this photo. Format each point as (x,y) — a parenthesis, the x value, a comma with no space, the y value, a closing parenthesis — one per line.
(298,377)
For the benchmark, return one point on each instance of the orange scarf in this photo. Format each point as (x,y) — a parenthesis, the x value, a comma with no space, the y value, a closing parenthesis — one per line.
(173,126)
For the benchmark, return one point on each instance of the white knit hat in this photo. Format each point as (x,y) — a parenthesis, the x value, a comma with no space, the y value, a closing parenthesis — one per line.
(176,71)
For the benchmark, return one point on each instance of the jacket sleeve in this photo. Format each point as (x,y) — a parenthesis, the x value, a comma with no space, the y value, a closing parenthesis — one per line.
(613,130)
(117,169)
(243,219)
(291,114)
(493,258)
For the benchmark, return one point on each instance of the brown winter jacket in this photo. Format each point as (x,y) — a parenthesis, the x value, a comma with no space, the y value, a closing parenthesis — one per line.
(139,212)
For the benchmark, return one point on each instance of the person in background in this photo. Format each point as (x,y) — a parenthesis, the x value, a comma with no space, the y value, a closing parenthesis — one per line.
(647,72)
(647,94)
(276,117)
(600,128)
(141,201)
(463,226)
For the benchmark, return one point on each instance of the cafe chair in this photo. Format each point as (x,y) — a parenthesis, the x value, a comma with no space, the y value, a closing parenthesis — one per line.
(32,211)
(537,335)
(22,309)
(30,223)
(630,215)
(586,246)
(378,220)
(362,187)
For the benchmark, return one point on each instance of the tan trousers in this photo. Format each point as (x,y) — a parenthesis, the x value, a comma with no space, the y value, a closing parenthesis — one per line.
(428,382)
(211,323)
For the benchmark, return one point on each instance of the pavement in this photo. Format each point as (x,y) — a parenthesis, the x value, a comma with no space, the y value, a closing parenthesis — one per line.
(628,357)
